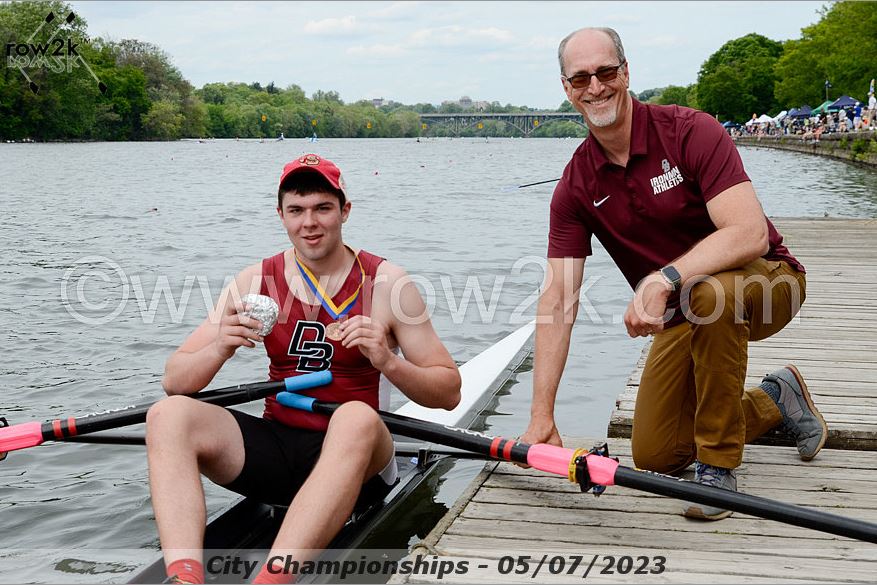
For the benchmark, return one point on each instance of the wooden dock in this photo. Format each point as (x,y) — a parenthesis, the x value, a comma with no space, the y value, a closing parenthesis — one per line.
(508,512)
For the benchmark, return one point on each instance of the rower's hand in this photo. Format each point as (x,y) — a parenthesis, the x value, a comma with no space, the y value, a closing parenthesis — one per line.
(236,330)
(645,313)
(370,337)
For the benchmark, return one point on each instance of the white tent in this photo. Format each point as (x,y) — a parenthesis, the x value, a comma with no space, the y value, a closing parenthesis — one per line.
(781,116)
(764,118)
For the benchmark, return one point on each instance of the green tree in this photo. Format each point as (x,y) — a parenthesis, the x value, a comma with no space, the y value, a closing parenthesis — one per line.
(326,96)
(163,121)
(163,80)
(648,94)
(560,129)
(194,113)
(123,105)
(408,122)
(691,98)
(61,102)
(841,47)
(739,78)
(673,94)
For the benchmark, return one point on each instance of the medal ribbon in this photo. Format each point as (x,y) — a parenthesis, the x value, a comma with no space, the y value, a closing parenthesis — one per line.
(335,311)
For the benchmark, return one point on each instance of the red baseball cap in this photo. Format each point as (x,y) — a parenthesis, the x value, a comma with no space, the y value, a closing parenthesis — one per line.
(315,163)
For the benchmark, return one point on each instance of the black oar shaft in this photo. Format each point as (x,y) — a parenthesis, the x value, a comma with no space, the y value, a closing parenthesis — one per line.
(138,439)
(745,504)
(61,429)
(509,450)
(498,448)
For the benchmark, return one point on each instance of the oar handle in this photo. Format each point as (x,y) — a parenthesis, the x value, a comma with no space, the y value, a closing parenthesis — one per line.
(20,436)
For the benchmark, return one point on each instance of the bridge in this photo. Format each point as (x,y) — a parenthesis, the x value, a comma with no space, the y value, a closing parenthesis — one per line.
(524,122)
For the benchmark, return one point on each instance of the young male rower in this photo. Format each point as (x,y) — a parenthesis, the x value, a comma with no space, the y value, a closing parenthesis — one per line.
(341,309)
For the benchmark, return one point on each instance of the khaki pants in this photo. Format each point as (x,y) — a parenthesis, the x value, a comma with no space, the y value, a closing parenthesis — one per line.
(691,402)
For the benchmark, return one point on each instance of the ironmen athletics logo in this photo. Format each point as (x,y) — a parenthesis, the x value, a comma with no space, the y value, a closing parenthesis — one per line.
(56,54)
(668,180)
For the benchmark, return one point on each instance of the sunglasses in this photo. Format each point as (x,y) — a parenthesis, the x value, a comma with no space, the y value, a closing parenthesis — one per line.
(603,75)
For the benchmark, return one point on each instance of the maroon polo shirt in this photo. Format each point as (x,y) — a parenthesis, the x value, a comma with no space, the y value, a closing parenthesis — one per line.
(652,211)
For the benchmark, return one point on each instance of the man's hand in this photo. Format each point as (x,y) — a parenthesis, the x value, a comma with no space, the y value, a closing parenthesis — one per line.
(542,430)
(645,313)
(236,330)
(370,337)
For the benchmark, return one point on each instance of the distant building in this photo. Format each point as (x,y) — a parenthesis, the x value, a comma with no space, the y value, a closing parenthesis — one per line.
(466,103)
(378,102)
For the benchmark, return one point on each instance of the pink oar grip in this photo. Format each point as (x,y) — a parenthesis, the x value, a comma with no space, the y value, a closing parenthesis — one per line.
(557,460)
(21,436)
(602,469)
(550,458)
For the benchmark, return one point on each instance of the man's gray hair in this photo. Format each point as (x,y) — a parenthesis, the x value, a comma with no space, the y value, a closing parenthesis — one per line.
(616,40)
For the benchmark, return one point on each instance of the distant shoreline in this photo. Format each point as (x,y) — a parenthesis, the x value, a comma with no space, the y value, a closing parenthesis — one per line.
(858,148)
(287,139)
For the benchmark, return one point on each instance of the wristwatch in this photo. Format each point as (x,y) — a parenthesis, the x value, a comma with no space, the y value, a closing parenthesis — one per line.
(672,276)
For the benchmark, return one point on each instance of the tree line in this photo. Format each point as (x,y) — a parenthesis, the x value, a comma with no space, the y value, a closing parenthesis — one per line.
(104,89)
(58,84)
(756,75)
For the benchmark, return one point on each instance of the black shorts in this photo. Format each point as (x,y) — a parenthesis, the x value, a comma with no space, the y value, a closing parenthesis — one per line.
(278,459)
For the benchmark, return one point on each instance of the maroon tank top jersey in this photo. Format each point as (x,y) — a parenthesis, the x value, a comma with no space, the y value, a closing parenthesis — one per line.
(299,344)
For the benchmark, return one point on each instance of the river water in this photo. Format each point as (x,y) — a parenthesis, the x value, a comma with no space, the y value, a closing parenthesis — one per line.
(110,254)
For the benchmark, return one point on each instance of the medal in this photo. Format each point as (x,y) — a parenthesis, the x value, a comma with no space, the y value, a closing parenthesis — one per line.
(333,331)
(337,312)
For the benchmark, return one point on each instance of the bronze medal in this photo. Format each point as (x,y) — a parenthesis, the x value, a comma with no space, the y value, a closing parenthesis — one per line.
(333,331)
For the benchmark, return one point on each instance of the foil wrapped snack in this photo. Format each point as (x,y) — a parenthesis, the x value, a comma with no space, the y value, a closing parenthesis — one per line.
(262,308)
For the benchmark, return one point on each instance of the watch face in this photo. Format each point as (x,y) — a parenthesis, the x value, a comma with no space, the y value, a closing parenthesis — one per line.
(672,275)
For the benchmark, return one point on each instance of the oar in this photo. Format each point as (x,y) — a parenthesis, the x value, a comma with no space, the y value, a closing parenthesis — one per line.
(131,438)
(402,449)
(590,469)
(417,450)
(513,187)
(31,434)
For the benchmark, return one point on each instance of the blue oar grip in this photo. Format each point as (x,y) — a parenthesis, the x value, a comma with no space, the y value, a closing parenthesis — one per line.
(305,381)
(293,400)
(295,384)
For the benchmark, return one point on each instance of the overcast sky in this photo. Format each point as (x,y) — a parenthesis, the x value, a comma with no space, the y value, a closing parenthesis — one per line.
(433,51)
